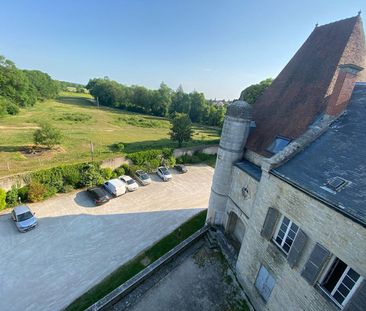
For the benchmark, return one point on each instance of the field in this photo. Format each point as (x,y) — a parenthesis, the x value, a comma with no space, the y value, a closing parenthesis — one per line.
(81,123)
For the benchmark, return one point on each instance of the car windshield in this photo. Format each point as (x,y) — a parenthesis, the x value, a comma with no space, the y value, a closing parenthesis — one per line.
(24,216)
(144,176)
(164,171)
(130,182)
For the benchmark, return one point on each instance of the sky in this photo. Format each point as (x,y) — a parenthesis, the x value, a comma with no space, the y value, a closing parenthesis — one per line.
(217,47)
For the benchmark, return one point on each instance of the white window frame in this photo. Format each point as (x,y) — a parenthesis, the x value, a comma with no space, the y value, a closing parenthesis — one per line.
(279,224)
(330,295)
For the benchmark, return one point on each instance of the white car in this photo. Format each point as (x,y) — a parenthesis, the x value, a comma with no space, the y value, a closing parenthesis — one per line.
(130,183)
(115,186)
(164,173)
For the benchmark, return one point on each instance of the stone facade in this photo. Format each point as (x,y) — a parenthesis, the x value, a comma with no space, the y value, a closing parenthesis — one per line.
(340,235)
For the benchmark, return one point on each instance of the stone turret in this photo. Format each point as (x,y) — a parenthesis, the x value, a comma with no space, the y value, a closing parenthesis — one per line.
(234,135)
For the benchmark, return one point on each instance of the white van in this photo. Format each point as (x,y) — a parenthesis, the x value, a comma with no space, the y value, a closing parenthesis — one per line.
(115,186)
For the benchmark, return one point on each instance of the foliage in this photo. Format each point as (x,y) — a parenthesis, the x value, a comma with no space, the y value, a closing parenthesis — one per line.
(160,102)
(73,117)
(12,196)
(22,88)
(253,92)
(47,135)
(181,128)
(149,160)
(2,199)
(118,147)
(23,193)
(142,121)
(198,157)
(91,176)
(134,266)
(119,171)
(107,173)
(36,191)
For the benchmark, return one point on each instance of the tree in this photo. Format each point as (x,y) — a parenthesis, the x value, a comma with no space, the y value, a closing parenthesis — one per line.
(181,128)
(198,105)
(47,135)
(253,92)
(181,102)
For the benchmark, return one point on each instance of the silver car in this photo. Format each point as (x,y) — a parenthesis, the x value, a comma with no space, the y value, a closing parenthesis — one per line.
(24,218)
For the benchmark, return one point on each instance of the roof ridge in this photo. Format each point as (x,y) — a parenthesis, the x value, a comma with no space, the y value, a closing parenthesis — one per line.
(356,18)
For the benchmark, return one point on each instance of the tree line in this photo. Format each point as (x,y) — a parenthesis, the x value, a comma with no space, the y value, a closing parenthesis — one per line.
(23,88)
(163,102)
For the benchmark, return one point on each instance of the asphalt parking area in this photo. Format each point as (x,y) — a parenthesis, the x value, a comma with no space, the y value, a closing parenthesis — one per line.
(77,244)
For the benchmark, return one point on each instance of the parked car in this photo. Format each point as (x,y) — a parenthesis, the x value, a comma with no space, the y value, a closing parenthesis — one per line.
(115,186)
(164,173)
(99,195)
(130,183)
(143,177)
(24,218)
(181,168)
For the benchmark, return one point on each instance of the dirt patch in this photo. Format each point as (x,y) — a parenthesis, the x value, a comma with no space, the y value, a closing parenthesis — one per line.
(3,127)
(36,151)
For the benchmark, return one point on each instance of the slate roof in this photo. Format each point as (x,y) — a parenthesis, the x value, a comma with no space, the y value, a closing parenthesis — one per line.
(300,92)
(340,151)
(251,169)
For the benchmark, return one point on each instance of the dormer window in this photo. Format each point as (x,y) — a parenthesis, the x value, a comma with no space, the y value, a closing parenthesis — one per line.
(337,183)
(278,144)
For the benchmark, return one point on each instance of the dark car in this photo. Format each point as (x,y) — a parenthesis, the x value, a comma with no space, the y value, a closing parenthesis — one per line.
(99,195)
(181,168)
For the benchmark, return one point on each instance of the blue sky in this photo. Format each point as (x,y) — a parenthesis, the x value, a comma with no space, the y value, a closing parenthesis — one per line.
(216,47)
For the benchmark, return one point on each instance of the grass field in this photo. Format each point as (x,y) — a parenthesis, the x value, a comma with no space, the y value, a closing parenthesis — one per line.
(81,122)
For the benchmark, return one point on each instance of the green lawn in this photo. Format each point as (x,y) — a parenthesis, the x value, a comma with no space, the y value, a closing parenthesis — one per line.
(82,122)
(131,268)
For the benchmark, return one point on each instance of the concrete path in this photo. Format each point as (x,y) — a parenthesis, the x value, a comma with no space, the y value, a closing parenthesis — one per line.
(76,244)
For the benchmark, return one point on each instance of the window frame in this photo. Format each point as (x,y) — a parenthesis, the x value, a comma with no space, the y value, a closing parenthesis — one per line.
(339,282)
(278,228)
(273,144)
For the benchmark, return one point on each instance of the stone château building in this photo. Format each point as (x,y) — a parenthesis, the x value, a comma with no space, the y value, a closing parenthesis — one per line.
(290,181)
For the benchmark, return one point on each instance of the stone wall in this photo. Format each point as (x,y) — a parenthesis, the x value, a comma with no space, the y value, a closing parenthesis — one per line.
(191,150)
(340,235)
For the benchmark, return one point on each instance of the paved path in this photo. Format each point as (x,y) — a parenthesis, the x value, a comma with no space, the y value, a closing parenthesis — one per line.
(76,244)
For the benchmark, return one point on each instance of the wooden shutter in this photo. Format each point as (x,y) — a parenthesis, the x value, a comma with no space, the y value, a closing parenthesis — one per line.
(296,248)
(358,299)
(264,283)
(316,261)
(269,223)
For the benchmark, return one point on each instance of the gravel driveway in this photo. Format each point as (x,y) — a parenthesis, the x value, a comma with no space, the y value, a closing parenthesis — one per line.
(77,244)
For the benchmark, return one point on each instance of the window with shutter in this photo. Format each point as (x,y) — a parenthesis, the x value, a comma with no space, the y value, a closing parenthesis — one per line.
(285,234)
(340,282)
(264,283)
(296,248)
(269,223)
(315,263)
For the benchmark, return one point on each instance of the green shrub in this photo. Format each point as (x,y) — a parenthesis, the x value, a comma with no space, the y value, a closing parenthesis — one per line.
(73,117)
(67,188)
(149,160)
(107,173)
(2,199)
(118,147)
(140,121)
(37,192)
(23,193)
(90,176)
(72,175)
(12,196)
(119,171)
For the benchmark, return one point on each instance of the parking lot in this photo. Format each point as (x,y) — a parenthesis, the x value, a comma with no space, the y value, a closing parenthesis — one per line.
(77,244)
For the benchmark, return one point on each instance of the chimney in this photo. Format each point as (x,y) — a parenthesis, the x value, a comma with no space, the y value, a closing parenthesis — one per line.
(343,88)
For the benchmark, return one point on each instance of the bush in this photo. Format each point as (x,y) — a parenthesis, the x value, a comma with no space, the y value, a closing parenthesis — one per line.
(67,188)
(72,175)
(2,199)
(12,196)
(118,147)
(47,135)
(107,173)
(90,176)
(37,192)
(119,171)
(23,193)
(149,160)
(73,117)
